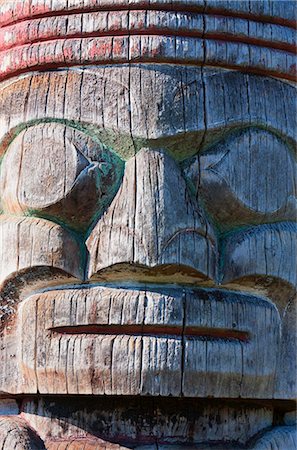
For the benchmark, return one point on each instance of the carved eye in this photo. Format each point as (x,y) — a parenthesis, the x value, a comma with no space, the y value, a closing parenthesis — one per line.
(246,178)
(47,171)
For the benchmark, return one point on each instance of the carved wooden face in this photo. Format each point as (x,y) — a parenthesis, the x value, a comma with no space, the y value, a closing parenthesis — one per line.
(146,240)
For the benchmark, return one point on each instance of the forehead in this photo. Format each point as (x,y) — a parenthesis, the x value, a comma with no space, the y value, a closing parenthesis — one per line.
(128,107)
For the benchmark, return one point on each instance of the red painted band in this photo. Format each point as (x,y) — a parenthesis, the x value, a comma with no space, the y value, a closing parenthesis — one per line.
(118,50)
(22,39)
(23,11)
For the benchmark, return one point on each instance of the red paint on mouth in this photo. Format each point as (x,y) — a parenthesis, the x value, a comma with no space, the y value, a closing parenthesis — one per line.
(156,331)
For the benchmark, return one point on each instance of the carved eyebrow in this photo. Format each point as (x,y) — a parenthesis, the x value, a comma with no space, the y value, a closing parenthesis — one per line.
(246,111)
(13,132)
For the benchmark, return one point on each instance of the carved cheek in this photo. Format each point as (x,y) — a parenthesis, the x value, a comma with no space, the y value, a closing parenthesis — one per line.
(113,341)
(238,366)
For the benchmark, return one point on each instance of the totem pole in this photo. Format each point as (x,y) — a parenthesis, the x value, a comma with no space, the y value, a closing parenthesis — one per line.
(147,224)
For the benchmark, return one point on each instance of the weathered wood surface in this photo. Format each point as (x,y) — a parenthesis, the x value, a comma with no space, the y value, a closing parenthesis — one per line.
(131,342)
(149,22)
(175,421)
(17,435)
(176,125)
(110,425)
(147,224)
(49,243)
(146,35)
(279,12)
(157,240)
(230,176)
(279,437)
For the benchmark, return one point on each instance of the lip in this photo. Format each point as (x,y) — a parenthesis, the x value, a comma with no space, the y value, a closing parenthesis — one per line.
(191,313)
(175,311)
(151,340)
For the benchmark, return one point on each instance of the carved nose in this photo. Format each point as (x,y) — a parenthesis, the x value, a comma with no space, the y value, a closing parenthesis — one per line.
(153,221)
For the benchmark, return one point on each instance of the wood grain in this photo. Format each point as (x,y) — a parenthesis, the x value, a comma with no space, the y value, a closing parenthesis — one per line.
(16,434)
(147,224)
(126,234)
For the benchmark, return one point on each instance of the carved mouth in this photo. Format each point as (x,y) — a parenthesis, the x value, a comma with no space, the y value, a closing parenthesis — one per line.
(199,314)
(156,331)
(134,341)
(205,313)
